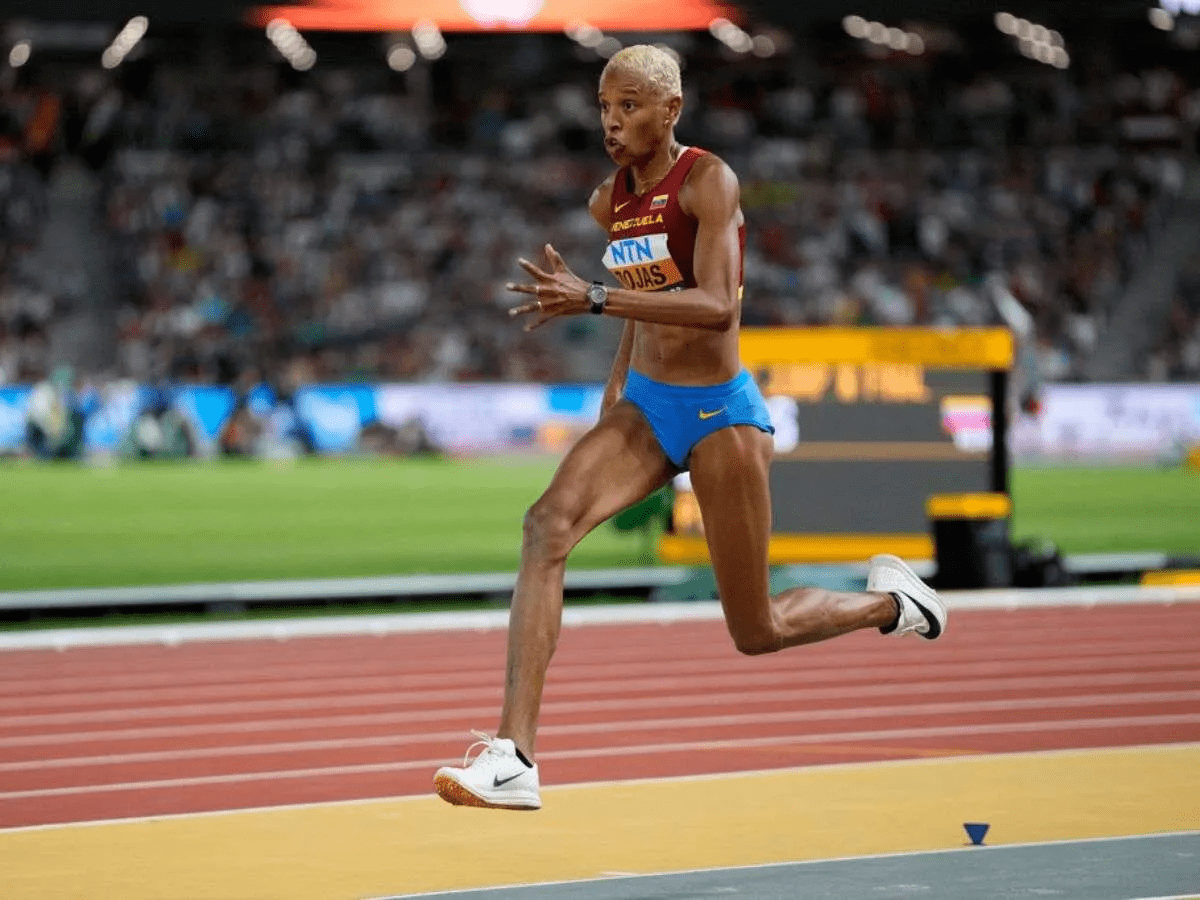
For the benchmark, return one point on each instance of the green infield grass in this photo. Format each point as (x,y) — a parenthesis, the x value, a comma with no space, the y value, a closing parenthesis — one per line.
(1109,510)
(67,525)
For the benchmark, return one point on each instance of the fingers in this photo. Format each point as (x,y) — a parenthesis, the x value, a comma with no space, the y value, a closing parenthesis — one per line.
(524,308)
(524,288)
(533,270)
(534,324)
(543,316)
(556,261)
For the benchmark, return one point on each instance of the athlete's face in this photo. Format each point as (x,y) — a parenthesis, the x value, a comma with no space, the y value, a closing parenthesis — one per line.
(637,120)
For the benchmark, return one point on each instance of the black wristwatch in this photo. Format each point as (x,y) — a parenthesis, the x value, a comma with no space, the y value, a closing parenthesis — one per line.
(597,295)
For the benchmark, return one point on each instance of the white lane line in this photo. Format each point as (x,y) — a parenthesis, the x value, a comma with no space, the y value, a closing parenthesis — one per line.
(622,751)
(626,725)
(223,670)
(665,700)
(84,690)
(634,682)
(550,730)
(615,614)
(921,761)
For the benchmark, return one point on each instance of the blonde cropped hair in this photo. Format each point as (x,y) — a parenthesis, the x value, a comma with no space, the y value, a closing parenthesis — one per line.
(655,66)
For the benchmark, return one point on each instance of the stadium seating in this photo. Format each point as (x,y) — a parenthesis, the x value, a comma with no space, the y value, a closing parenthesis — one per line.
(348,225)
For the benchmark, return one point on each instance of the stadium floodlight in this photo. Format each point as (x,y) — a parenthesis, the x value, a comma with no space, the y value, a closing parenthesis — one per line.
(855,26)
(127,38)
(763,46)
(1035,41)
(291,45)
(731,36)
(401,58)
(1161,19)
(878,33)
(585,34)
(304,60)
(509,13)
(428,38)
(19,54)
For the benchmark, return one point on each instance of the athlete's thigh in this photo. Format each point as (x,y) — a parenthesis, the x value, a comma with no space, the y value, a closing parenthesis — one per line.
(730,472)
(616,464)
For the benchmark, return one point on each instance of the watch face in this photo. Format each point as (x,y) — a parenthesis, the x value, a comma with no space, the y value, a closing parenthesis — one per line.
(596,293)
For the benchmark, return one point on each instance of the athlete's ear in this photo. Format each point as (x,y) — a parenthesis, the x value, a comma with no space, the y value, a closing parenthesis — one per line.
(674,107)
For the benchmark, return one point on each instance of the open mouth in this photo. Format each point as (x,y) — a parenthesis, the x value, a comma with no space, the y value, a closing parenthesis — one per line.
(612,145)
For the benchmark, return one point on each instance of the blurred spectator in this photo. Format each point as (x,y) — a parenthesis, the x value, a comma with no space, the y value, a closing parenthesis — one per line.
(1177,358)
(54,426)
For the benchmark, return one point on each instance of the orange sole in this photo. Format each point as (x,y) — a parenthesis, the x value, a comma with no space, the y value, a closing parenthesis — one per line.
(457,795)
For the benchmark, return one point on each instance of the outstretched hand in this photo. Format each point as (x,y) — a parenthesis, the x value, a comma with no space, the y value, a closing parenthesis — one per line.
(559,292)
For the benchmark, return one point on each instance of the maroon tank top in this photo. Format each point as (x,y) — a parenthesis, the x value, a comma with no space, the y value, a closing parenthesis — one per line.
(651,241)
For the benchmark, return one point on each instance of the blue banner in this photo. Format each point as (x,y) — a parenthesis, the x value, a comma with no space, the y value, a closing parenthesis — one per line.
(334,415)
(14,402)
(113,411)
(206,409)
(458,418)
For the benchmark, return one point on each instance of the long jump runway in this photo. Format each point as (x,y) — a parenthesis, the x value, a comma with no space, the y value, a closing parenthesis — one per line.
(673,768)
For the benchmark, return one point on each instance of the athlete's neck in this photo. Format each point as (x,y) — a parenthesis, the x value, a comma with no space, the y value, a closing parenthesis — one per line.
(646,175)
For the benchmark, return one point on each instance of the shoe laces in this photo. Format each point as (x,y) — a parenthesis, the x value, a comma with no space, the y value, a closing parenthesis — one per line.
(486,741)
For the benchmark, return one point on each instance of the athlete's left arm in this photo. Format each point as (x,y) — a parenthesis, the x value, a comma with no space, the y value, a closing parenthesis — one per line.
(711,195)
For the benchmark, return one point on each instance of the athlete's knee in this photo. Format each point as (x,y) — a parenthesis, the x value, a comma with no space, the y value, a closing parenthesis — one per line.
(546,532)
(754,639)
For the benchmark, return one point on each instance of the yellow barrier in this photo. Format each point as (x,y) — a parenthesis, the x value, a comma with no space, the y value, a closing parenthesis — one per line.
(969,506)
(959,348)
(686,549)
(1171,577)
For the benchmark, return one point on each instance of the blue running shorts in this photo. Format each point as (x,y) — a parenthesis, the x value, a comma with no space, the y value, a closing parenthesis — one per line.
(682,416)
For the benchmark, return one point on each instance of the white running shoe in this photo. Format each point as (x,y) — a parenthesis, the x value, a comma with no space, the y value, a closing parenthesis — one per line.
(921,610)
(496,778)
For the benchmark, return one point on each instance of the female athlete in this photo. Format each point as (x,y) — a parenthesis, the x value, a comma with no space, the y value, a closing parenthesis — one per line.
(677,399)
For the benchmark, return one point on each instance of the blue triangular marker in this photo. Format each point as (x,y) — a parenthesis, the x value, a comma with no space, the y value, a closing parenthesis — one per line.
(976,831)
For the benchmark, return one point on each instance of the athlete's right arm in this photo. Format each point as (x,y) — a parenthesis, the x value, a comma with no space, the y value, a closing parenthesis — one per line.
(600,206)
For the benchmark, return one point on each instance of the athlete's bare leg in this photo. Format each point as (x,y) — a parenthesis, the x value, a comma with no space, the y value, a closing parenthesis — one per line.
(614,465)
(729,472)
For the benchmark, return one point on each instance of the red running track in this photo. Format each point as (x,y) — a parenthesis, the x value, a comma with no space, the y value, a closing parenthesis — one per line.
(108,733)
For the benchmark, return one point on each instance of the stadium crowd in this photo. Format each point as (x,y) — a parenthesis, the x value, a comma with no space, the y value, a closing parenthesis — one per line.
(1177,357)
(352,223)
(27,308)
